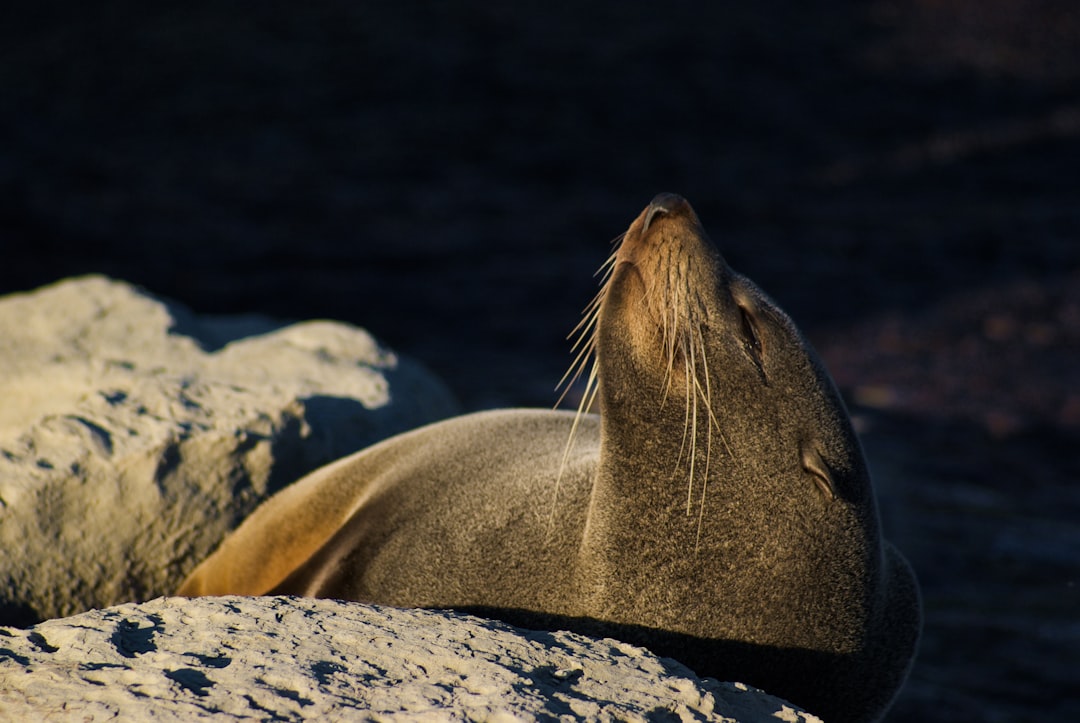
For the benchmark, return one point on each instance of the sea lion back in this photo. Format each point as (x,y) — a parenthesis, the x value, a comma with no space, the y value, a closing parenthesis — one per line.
(450,492)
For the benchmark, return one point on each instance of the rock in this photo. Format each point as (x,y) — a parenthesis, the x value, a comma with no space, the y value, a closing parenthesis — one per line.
(279,658)
(134,435)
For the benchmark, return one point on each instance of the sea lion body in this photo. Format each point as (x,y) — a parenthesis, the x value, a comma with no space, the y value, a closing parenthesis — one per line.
(719,510)
(491,551)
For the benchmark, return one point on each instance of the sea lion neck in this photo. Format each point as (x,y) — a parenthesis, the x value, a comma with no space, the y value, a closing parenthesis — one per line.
(667,287)
(666,297)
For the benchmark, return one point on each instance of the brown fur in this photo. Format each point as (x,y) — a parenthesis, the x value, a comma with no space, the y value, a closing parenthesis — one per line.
(719,510)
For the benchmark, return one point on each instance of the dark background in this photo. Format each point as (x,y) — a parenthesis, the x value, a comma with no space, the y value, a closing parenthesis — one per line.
(901,176)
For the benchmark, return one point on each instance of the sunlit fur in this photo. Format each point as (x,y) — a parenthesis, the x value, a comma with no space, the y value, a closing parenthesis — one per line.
(673,301)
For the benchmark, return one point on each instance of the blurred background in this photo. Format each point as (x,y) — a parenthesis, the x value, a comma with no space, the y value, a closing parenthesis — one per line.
(902,176)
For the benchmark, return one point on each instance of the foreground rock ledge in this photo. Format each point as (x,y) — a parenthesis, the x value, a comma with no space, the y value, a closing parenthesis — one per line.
(134,435)
(282,658)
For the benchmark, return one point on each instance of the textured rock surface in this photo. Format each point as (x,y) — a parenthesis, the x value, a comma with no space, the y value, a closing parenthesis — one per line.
(134,435)
(280,658)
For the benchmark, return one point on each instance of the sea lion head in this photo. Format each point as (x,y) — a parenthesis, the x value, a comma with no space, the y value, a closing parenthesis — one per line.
(723,434)
(677,319)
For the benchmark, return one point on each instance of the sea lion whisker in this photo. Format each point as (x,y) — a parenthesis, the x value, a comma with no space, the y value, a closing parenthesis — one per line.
(713,421)
(704,491)
(573,379)
(584,345)
(618,240)
(591,311)
(587,343)
(685,435)
(670,340)
(588,318)
(713,424)
(592,386)
(672,329)
(706,392)
(691,362)
(580,360)
(668,344)
(582,331)
(708,439)
(605,269)
(587,398)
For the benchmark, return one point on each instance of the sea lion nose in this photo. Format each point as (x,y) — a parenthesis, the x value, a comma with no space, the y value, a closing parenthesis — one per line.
(665,204)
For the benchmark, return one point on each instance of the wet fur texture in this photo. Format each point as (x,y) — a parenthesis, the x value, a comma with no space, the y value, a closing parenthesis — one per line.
(718,510)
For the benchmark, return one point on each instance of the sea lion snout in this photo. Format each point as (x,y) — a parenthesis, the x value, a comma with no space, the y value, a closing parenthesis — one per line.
(665,204)
(665,234)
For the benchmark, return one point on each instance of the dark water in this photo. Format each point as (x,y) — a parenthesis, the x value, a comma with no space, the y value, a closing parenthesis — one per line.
(449,175)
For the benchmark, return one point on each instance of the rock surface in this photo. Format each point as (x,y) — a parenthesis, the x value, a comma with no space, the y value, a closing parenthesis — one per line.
(134,435)
(277,658)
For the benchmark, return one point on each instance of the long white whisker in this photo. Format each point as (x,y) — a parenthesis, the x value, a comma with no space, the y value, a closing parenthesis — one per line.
(686,423)
(691,362)
(585,347)
(583,405)
(708,441)
(669,341)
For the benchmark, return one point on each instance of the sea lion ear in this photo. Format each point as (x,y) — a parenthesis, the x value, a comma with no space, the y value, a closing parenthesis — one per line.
(815,466)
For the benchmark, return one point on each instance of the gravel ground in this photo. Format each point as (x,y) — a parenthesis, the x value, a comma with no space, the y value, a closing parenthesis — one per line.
(900,175)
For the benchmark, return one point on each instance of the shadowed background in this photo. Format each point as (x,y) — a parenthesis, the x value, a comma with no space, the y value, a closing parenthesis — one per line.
(900,176)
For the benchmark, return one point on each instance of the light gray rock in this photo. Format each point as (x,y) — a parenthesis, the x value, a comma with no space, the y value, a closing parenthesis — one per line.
(277,658)
(134,435)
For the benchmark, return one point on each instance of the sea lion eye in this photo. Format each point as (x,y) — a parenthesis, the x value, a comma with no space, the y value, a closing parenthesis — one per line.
(751,339)
(750,332)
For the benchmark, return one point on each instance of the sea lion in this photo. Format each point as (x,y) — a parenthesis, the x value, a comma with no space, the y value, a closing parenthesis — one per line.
(718,510)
